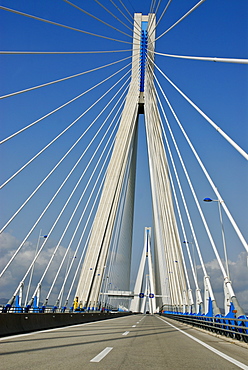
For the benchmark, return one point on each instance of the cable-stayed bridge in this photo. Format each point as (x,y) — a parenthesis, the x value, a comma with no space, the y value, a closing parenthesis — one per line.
(95,156)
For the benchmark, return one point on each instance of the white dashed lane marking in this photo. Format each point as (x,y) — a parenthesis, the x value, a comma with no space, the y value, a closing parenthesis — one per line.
(126,333)
(101,355)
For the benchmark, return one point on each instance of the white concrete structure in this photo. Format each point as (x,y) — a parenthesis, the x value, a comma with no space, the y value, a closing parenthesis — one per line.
(148,293)
(93,268)
(118,192)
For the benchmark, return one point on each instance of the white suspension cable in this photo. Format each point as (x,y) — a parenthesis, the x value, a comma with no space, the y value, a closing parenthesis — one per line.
(175,195)
(182,18)
(163,262)
(215,189)
(95,168)
(128,12)
(61,25)
(92,257)
(209,59)
(87,240)
(80,200)
(217,128)
(48,205)
(88,257)
(82,235)
(152,5)
(119,217)
(165,224)
(196,200)
(176,200)
(100,20)
(61,133)
(79,262)
(64,231)
(61,79)
(89,234)
(32,270)
(55,110)
(158,5)
(64,52)
(100,187)
(157,23)
(172,282)
(96,182)
(37,188)
(57,219)
(107,10)
(126,17)
(189,218)
(163,13)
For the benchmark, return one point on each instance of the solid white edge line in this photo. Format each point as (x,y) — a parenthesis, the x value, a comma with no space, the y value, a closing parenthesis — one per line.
(54,329)
(101,355)
(223,355)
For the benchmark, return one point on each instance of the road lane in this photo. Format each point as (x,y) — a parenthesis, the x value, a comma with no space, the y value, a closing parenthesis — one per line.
(150,343)
(210,348)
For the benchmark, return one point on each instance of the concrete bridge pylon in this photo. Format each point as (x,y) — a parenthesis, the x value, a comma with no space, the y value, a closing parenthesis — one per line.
(118,191)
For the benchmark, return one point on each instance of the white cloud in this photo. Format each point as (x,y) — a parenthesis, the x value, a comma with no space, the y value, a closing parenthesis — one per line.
(238,275)
(11,278)
(17,269)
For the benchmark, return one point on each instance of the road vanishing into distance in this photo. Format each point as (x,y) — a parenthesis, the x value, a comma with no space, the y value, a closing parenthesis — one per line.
(130,342)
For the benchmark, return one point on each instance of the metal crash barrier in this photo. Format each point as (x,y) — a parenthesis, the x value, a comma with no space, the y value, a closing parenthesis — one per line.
(235,328)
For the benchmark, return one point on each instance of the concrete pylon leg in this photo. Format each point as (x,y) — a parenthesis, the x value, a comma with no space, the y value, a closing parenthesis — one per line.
(90,281)
(141,98)
(138,302)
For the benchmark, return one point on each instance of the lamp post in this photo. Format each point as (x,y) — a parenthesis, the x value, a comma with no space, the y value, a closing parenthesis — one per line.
(222,231)
(32,270)
(65,277)
(229,293)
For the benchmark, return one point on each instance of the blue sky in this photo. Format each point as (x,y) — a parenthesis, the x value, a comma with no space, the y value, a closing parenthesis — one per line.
(216,28)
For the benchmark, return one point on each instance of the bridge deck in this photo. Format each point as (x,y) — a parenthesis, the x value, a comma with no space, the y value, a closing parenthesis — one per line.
(133,342)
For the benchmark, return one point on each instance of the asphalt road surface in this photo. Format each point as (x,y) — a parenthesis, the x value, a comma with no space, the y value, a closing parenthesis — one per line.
(131,342)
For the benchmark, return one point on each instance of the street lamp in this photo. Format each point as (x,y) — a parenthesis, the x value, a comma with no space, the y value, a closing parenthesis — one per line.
(65,278)
(222,230)
(32,270)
